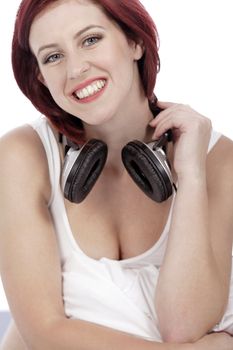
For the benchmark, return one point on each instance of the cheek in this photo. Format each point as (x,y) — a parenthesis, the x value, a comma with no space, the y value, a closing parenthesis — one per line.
(55,87)
(119,65)
(54,83)
(117,55)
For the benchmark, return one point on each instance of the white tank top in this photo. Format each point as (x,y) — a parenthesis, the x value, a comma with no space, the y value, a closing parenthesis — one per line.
(112,293)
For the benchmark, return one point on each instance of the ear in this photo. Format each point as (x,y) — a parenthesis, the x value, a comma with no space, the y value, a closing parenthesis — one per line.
(139,49)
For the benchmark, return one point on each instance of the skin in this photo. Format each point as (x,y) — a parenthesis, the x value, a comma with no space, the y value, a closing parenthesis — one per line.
(119,115)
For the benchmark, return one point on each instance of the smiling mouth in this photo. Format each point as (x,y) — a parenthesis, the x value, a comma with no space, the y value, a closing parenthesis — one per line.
(90,90)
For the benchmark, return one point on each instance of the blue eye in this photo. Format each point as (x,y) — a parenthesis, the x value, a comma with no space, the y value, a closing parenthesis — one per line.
(92,40)
(53,58)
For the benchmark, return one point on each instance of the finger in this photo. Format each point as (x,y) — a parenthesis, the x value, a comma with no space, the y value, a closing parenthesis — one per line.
(175,109)
(165,125)
(164,105)
(169,122)
(163,114)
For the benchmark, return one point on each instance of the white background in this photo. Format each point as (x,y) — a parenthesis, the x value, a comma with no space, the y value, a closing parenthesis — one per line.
(196,63)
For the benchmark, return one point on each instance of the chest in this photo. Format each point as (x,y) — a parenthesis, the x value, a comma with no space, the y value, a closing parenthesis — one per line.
(117,221)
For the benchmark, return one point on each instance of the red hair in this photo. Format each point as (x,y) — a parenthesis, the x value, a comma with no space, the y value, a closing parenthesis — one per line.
(132,18)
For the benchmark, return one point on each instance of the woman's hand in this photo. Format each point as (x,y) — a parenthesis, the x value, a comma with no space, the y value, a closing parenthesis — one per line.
(191,135)
(214,341)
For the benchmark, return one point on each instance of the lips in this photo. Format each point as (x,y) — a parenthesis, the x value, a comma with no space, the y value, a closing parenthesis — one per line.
(88,89)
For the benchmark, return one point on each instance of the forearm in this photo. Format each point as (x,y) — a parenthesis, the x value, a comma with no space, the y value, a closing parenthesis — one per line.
(80,335)
(212,342)
(189,294)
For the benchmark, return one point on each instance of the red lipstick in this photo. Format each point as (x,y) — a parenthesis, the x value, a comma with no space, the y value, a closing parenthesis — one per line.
(83,85)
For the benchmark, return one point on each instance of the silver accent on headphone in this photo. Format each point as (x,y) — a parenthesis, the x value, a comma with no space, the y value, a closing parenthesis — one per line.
(161,157)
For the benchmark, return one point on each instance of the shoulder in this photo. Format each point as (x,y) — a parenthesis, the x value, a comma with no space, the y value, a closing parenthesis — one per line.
(220,180)
(220,161)
(24,162)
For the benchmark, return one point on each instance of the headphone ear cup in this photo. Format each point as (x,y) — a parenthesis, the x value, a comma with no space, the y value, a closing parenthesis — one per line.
(146,169)
(85,170)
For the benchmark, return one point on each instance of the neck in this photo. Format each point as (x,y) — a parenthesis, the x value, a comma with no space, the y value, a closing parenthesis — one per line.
(131,122)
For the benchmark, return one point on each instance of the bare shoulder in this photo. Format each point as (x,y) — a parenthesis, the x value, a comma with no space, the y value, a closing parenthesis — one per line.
(24,162)
(224,145)
(220,193)
(220,164)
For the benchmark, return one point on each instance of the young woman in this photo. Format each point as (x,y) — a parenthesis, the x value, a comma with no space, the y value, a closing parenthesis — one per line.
(91,259)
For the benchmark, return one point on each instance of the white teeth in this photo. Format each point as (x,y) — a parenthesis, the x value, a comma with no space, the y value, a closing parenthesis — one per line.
(95,88)
(85,92)
(99,84)
(90,89)
(81,94)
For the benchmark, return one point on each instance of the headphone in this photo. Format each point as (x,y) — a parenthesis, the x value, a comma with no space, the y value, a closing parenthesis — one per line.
(147,165)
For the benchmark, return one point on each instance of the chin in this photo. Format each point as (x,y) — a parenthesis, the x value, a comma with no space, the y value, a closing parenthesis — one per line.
(97,119)
(97,122)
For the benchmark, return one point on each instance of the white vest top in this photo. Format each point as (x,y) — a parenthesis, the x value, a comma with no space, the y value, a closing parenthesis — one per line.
(112,293)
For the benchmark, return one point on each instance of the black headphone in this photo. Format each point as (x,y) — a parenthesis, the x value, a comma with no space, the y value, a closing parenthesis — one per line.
(147,165)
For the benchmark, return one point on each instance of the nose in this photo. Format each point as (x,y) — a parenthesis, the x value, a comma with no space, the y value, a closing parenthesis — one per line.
(77,67)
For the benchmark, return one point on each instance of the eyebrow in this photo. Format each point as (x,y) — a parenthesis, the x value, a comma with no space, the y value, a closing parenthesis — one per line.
(80,32)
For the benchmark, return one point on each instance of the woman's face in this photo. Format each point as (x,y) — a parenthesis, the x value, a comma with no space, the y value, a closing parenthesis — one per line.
(85,60)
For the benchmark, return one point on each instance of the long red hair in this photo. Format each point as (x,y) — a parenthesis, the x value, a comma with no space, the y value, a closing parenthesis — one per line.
(135,22)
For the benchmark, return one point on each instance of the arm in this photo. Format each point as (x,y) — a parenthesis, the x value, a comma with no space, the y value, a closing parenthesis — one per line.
(194,280)
(29,259)
(214,341)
